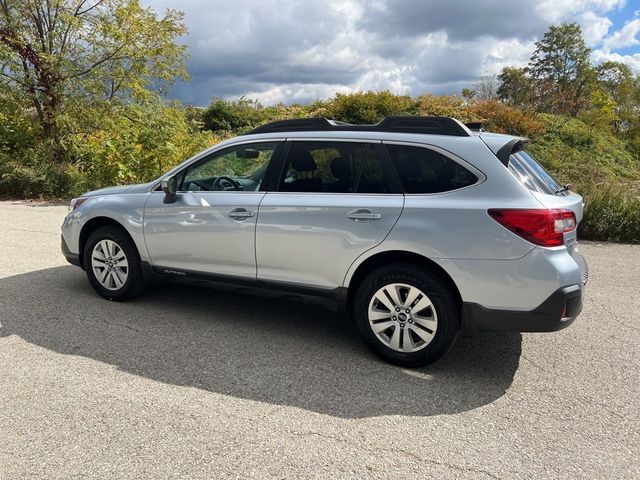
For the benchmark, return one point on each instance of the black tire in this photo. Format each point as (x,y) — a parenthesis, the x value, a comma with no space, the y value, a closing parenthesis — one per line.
(444,303)
(133,284)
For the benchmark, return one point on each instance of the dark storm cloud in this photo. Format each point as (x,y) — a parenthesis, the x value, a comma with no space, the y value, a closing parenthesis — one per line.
(301,50)
(239,48)
(460,19)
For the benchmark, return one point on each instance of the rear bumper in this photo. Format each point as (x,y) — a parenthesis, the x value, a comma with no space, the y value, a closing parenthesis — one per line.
(72,258)
(555,313)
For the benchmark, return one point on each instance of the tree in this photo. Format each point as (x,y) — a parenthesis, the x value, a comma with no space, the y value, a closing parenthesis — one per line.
(560,69)
(515,87)
(616,80)
(58,56)
(601,112)
(468,93)
(486,88)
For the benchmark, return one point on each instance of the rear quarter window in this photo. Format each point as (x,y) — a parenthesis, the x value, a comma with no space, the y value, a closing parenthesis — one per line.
(423,170)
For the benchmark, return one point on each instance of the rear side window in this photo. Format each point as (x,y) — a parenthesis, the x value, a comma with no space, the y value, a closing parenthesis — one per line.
(532,175)
(332,167)
(422,170)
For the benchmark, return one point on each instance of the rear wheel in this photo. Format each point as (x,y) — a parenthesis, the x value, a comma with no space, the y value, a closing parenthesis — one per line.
(112,264)
(406,315)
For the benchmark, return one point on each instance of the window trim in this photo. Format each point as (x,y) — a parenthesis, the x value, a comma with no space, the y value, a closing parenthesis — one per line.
(480,176)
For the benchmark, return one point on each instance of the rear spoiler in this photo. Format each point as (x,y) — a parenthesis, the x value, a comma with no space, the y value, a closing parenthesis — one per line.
(503,146)
(509,148)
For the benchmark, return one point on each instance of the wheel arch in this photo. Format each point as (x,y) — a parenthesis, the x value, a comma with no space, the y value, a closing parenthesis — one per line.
(396,256)
(92,225)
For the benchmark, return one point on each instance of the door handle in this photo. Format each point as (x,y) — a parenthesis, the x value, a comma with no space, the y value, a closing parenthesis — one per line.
(240,214)
(363,215)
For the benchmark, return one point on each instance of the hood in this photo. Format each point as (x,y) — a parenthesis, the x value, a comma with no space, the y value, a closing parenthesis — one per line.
(137,188)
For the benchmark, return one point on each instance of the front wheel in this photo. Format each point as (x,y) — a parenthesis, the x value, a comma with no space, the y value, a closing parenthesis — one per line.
(112,264)
(406,315)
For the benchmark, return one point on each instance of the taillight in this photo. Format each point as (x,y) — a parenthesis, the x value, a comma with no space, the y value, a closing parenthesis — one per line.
(542,227)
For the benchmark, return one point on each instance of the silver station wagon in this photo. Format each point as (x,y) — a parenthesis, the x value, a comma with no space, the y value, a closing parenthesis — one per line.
(417,227)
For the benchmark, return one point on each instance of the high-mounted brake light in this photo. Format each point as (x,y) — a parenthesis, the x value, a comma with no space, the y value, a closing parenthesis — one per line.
(542,227)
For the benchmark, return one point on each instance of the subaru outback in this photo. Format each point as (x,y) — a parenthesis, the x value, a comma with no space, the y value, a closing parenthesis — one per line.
(417,227)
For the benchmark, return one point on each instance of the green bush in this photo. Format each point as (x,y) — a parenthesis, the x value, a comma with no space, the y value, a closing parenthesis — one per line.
(37,174)
(233,115)
(136,142)
(583,156)
(131,143)
(367,107)
(612,214)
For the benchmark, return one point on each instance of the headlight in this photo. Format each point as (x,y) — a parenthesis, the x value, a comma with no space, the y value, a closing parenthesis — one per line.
(76,202)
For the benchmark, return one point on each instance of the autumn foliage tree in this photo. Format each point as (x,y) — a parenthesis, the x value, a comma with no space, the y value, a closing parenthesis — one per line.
(57,56)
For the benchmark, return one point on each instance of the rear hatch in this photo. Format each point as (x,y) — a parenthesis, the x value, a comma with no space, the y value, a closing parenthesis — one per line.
(542,185)
(549,192)
(546,189)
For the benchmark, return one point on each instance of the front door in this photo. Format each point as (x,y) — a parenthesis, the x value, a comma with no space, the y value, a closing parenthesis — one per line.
(210,228)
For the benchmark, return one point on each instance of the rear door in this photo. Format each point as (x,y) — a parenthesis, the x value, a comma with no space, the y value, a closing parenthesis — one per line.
(334,201)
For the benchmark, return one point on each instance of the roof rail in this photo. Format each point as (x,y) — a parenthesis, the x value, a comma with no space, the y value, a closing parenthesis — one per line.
(400,124)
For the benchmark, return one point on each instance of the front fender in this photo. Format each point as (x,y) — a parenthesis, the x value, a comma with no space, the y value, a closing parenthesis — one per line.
(127,210)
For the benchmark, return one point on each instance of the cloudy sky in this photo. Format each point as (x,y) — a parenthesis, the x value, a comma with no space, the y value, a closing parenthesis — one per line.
(301,50)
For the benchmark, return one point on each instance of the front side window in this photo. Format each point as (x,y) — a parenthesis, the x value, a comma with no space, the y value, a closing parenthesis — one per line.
(239,168)
(332,167)
(422,170)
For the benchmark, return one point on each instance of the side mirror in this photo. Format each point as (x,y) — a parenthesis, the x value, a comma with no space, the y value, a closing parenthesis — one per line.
(169,187)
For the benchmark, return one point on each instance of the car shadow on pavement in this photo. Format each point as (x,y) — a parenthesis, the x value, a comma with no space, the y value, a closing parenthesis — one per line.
(270,351)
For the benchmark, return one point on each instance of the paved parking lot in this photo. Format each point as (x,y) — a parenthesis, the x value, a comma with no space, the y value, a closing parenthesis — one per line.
(205,384)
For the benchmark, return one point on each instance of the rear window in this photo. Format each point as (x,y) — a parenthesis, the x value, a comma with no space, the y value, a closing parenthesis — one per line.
(422,170)
(532,175)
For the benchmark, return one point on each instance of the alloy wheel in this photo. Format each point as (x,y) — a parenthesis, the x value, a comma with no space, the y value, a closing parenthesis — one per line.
(402,317)
(109,264)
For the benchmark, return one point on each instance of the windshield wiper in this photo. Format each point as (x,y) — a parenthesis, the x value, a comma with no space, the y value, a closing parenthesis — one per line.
(564,188)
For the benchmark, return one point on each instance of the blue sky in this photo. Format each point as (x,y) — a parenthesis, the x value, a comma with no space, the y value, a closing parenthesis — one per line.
(302,50)
(620,17)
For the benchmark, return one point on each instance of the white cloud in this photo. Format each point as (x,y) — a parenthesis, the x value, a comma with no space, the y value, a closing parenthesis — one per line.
(555,11)
(298,93)
(633,60)
(627,36)
(508,53)
(594,27)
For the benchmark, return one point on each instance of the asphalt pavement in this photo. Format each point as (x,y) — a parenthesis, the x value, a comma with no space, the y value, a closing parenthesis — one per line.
(196,383)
